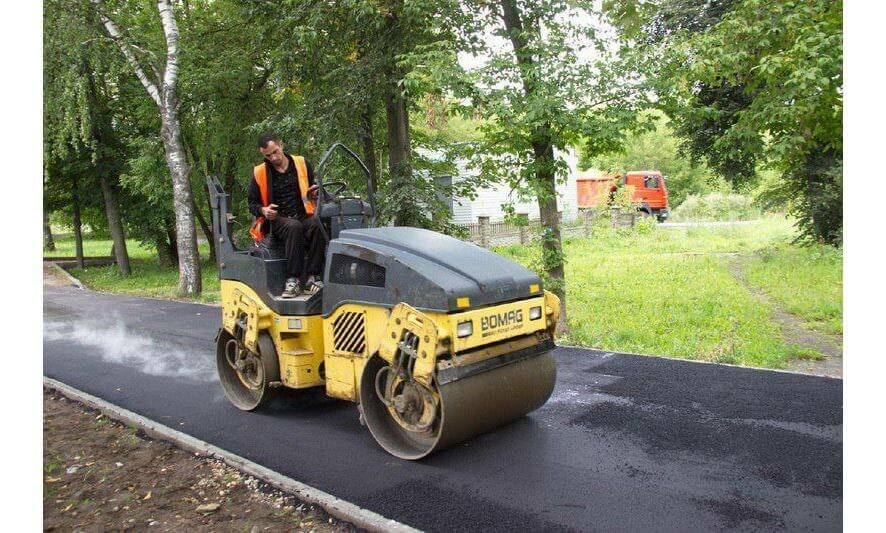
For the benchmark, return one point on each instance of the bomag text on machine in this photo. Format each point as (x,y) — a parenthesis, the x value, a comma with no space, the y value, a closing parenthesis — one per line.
(436,339)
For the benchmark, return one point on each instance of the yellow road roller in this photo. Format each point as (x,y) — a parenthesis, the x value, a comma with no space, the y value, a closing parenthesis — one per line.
(436,339)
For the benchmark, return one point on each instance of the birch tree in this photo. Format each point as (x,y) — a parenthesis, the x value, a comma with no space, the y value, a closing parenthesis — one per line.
(161,83)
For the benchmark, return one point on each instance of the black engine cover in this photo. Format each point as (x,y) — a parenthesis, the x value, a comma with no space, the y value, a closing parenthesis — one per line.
(428,270)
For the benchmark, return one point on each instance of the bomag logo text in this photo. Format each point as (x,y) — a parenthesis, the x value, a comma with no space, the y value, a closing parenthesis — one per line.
(501,320)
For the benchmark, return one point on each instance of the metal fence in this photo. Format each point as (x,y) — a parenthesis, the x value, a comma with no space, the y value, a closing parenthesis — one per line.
(487,234)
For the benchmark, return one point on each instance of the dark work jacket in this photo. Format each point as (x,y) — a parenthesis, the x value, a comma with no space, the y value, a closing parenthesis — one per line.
(283,191)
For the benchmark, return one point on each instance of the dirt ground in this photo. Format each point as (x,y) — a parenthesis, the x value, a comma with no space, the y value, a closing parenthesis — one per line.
(100,475)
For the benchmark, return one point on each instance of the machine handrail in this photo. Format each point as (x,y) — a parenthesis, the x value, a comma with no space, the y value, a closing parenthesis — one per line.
(218,200)
(370,189)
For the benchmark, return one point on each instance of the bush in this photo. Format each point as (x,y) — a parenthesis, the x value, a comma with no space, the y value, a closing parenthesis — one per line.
(716,206)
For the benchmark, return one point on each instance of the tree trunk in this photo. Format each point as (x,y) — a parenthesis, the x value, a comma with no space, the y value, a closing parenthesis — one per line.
(543,152)
(551,243)
(406,213)
(48,241)
(78,229)
(173,242)
(165,255)
(207,231)
(369,150)
(164,93)
(189,280)
(115,225)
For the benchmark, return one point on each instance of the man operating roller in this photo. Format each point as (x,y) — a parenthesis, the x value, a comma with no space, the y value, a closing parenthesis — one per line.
(281,197)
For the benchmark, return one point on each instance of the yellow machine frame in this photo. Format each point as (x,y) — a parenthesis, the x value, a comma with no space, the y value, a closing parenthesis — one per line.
(332,351)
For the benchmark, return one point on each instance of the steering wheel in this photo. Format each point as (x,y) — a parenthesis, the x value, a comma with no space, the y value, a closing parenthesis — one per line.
(338,187)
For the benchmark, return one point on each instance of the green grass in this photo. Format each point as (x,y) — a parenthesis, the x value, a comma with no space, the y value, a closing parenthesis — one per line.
(806,281)
(661,292)
(148,277)
(64,247)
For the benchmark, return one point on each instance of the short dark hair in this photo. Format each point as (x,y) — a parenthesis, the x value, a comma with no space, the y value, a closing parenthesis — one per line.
(267,137)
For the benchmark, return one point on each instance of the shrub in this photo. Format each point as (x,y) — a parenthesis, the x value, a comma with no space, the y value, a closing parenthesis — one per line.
(716,206)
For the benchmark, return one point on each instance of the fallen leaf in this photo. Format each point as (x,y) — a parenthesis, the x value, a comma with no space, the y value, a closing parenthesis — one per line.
(68,508)
(53,479)
(208,507)
(147,496)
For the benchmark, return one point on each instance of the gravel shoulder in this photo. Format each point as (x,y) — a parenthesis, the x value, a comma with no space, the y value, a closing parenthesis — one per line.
(100,475)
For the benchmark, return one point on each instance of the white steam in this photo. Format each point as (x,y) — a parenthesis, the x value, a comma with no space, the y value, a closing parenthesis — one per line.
(115,343)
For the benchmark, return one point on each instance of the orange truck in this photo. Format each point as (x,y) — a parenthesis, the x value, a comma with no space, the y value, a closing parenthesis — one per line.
(648,191)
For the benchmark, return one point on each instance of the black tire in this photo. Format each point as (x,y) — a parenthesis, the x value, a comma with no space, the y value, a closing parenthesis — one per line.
(243,397)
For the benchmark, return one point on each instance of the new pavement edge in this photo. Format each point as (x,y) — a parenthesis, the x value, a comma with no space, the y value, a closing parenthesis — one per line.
(336,507)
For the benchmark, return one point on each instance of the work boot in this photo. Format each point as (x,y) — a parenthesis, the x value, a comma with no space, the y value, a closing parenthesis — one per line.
(291,289)
(313,285)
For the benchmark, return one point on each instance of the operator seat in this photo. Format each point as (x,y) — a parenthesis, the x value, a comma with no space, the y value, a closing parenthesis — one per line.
(345,213)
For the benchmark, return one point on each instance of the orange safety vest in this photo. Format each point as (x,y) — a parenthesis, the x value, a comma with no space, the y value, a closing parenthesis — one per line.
(260,174)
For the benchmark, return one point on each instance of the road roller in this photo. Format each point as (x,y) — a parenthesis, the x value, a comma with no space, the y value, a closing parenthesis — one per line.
(436,339)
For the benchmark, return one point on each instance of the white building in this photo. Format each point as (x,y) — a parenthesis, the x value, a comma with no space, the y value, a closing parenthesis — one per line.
(489,200)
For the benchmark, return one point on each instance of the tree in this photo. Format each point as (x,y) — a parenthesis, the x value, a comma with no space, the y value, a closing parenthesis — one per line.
(551,84)
(343,72)
(77,87)
(758,83)
(161,85)
(48,241)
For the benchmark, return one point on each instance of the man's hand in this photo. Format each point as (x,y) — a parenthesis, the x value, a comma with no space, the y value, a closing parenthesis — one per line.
(270,212)
(312,191)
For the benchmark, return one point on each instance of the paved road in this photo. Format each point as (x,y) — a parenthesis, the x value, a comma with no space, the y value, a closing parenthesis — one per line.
(626,442)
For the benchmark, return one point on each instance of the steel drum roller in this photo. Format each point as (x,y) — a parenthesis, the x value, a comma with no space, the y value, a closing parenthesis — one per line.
(468,406)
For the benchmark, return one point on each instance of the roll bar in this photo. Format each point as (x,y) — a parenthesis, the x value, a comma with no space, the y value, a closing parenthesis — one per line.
(370,181)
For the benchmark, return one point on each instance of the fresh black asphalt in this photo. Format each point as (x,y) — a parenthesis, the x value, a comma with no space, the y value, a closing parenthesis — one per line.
(626,442)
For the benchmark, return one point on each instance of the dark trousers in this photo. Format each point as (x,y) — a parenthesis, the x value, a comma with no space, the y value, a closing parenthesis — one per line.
(303,243)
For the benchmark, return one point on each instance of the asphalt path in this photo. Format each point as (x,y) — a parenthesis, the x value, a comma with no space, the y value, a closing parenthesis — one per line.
(625,443)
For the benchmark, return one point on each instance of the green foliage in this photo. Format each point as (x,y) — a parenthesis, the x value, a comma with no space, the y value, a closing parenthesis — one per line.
(751,82)
(553,91)
(716,206)
(439,123)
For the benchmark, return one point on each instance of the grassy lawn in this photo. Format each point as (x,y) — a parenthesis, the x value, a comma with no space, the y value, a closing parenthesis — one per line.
(64,247)
(661,292)
(806,281)
(148,277)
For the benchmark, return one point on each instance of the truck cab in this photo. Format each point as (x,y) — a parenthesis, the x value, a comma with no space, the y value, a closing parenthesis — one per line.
(649,191)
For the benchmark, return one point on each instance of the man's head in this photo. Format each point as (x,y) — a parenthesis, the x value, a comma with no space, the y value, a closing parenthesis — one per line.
(270,146)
